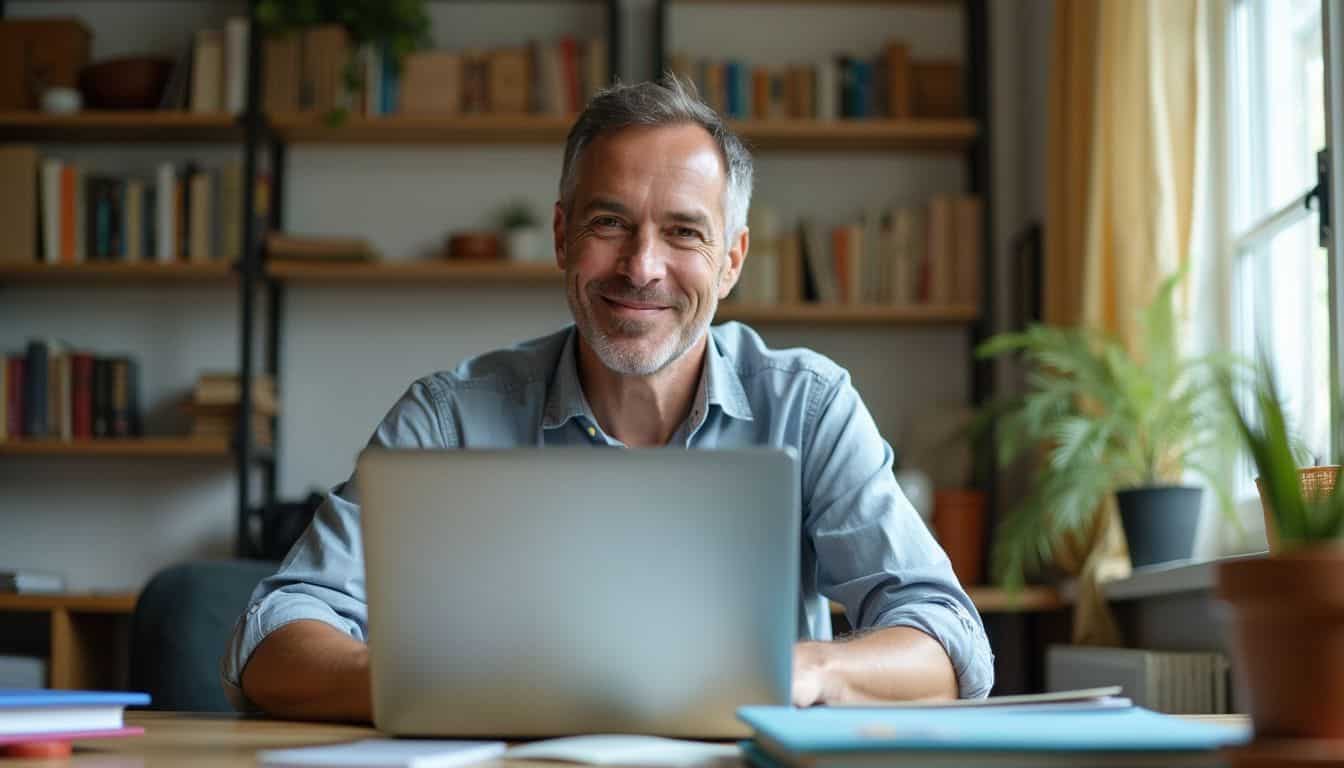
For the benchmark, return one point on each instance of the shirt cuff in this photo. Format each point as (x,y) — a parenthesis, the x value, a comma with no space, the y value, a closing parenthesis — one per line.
(961,635)
(261,619)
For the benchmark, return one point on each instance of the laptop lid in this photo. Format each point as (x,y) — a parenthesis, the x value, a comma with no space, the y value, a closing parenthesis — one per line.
(538,592)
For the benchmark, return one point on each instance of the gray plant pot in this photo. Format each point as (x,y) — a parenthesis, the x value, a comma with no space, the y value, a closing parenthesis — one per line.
(1159,522)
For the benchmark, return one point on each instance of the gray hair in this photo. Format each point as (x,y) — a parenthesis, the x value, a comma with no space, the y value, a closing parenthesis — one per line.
(670,102)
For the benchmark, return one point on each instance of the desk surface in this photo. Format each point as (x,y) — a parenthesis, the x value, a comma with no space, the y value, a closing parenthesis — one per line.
(224,741)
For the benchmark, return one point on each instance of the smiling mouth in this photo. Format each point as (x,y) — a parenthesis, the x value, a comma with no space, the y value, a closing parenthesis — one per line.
(632,306)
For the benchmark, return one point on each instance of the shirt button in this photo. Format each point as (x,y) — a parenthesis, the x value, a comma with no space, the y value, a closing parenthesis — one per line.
(592,432)
(253,610)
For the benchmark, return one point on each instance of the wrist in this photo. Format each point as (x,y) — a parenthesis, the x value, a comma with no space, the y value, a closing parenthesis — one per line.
(819,659)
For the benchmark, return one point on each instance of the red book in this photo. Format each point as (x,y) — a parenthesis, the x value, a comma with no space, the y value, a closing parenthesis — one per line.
(14,382)
(81,395)
(569,54)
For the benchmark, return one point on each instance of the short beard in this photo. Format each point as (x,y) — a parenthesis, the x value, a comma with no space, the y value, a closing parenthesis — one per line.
(621,360)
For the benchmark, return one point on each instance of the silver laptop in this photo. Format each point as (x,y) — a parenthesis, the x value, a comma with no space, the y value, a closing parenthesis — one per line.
(544,592)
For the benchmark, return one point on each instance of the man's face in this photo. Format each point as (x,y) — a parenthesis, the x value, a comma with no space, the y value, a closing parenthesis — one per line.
(643,245)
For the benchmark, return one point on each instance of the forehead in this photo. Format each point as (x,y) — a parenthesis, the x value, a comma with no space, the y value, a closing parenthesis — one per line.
(680,161)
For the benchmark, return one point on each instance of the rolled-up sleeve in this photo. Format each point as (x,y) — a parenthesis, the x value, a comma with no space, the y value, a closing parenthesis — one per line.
(873,554)
(322,577)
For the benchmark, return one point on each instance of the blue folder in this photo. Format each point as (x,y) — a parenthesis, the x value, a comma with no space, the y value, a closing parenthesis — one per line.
(22,698)
(822,731)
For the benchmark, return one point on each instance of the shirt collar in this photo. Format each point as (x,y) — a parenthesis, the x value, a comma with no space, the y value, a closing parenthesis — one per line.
(719,385)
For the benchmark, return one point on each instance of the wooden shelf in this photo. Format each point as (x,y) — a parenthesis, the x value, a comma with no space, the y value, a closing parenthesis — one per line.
(847,314)
(114,272)
(542,129)
(76,602)
(133,126)
(853,135)
(165,447)
(1028,599)
(415,272)
(399,129)
(996,600)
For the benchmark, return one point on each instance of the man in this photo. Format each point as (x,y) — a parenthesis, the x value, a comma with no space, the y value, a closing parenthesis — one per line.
(650,231)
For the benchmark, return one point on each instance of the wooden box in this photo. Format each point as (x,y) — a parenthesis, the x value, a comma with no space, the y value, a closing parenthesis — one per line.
(36,54)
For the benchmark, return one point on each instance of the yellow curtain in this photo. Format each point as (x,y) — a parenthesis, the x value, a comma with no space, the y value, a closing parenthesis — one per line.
(1125,108)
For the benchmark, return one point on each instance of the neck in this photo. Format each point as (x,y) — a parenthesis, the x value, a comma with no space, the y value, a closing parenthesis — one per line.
(641,411)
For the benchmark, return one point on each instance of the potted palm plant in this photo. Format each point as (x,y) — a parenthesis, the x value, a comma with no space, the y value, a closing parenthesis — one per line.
(1107,422)
(1286,610)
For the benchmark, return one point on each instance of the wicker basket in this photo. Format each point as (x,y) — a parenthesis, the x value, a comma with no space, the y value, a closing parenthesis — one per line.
(1316,482)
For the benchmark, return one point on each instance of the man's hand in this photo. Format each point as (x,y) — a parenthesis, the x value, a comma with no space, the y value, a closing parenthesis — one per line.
(891,664)
(309,670)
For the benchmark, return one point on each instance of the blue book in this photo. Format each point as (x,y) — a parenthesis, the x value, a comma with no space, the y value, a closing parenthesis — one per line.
(733,88)
(27,713)
(37,698)
(823,737)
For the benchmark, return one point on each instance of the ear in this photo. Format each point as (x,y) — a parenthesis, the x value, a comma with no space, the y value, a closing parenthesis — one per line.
(737,255)
(558,233)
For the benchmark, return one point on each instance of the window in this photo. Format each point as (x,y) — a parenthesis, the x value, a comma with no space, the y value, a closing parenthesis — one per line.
(1279,301)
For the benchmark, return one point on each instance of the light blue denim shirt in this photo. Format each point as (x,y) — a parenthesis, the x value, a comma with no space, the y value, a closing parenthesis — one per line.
(863,545)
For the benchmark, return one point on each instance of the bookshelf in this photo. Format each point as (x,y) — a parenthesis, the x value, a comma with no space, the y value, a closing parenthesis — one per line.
(117,272)
(436,272)
(129,126)
(86,635)
(465,129)
(138,447)
(847,314)
(848,135)
(854,135)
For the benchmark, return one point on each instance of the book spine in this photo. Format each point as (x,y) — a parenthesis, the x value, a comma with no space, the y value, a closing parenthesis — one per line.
(82,395)
(35,390)
(120,400)
(15,390)
(101,391)
(116,212)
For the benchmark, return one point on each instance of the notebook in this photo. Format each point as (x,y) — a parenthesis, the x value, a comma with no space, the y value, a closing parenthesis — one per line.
(828,738)
(33,713)
(385,753)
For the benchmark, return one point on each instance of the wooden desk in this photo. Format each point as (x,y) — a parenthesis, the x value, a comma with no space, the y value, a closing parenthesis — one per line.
(223,741)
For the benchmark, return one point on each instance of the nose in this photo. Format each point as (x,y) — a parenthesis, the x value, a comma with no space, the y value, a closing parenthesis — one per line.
(643,262)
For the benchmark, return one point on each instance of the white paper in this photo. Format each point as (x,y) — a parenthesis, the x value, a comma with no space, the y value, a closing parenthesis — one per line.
(385,753)
(627,750)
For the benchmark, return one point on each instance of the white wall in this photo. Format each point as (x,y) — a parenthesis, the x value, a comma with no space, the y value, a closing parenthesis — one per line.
(348,352)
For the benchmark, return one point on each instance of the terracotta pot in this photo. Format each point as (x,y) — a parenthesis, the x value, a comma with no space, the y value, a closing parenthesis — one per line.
(959,524)
(1286,632)
(1315,481)
(474,246)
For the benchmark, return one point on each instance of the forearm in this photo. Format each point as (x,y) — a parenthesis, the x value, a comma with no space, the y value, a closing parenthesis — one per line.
(889,664)
(308,670)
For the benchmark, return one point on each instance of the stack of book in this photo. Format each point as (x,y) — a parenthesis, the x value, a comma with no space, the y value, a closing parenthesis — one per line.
(305,73)
(53,391)
(1063,733)
(42,716)
(847,86)
(214,406)
(903,256)
(179,212)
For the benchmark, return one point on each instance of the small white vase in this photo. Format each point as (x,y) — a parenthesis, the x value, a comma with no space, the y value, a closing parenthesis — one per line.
(526,244)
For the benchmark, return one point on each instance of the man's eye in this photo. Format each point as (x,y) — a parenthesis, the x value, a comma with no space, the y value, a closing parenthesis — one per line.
(606,221)
(685,232)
